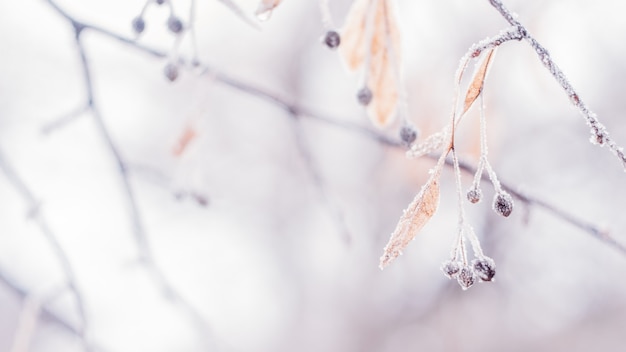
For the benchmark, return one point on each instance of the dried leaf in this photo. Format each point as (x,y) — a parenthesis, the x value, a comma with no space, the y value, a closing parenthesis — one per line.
(476,87)
(352,48)
(185,138)
(414,218)
(379,45)
(264,11)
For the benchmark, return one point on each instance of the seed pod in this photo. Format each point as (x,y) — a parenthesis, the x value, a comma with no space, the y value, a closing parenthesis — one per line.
(466,277)
(171,72)
(474,195)
(364,96)
(174,24)
(408,134)
(485,268)
(503,203)
(138,25)
(332,39)
(451,268)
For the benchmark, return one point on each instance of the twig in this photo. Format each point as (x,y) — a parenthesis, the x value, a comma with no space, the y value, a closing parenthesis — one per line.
(146,255)
(36,214)
(590,228)
(599,134)
(46,313)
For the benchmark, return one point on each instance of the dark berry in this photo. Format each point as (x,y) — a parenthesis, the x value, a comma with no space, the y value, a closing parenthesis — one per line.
(171,72)
(485,268)
(503,204)
(364,96)
(474,195)
(332,39)
(174,24)
(451,268)
(408,134)
(466,277)
(139,25)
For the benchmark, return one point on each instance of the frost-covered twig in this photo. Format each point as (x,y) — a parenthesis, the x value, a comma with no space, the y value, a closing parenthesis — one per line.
(599,134)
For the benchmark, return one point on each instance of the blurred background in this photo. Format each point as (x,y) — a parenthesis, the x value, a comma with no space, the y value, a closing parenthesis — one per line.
(265,231)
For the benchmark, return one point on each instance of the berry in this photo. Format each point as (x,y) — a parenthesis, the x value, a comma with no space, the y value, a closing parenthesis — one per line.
(503,203)
(138,25)
(174,24)
(485,268)
(171,72)
(364,96)
(474,195)
(450,268)
(466,277)
(332,39)
(408,134)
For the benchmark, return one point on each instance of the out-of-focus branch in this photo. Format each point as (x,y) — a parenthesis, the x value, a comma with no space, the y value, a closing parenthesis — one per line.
(45,312)
(146,255)
(36,215)
(599,134)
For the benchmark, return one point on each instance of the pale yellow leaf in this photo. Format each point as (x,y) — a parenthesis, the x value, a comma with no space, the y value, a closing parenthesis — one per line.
(379,43)
(476,86)
(352,48)
(414,218)
(264,11)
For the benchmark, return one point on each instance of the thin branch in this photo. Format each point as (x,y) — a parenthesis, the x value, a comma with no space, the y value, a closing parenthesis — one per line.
(46,313)
(588,227)
(35,213)
(146,255)
(599,134)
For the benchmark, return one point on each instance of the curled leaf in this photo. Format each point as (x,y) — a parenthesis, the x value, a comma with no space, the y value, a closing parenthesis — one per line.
(371,40)
(419,212)
(264,11)
(476,86)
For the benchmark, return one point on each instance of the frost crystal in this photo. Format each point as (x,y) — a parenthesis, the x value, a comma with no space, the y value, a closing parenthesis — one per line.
(485,268)
(503,203)
(466,277)
(450,268)
(474,195)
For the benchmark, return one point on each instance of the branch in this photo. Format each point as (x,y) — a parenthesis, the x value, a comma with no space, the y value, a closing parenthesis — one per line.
(35,213)
(366,132)
(146,255)
(599,134)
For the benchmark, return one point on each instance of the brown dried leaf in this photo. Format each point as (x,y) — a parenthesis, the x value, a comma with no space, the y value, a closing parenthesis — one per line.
(476,87)
(414,218)
(264,11)
(383,50)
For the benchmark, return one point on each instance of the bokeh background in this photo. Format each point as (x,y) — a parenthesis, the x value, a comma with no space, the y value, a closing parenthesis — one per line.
(265,262)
